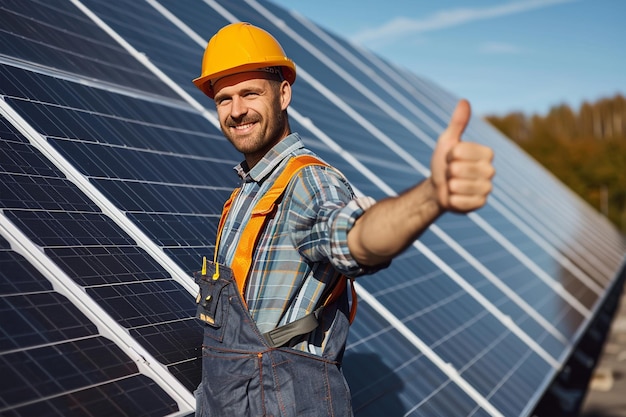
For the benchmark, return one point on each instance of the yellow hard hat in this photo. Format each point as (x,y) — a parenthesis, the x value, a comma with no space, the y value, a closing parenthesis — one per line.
(241,47)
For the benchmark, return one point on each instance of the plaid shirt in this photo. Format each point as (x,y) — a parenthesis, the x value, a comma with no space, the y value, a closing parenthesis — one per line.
(303,249)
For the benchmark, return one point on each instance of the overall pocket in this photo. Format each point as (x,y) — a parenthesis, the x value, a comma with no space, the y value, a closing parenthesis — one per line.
(310,386)
(231,384)
(212,301)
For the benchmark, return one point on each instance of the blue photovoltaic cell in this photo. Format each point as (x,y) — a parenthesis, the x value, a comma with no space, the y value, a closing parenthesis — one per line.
(99,257)
(151,156)
(388,382)
(59,36)
(53,360)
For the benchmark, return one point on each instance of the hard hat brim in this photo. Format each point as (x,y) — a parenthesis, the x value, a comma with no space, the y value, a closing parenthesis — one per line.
(287,66)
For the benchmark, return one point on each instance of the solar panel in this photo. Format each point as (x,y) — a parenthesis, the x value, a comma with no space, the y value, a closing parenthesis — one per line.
(114,172)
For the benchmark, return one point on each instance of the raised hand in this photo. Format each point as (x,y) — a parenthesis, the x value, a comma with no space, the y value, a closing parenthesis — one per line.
(460,181)
(461,171)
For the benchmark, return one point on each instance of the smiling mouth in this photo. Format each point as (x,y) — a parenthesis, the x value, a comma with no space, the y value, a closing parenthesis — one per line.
(243,126)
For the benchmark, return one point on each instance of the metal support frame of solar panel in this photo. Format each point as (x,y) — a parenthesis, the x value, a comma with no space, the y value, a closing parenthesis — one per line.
(442,395)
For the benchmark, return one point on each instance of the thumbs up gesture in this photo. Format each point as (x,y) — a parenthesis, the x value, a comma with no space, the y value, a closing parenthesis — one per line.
(461,171)
(460,181)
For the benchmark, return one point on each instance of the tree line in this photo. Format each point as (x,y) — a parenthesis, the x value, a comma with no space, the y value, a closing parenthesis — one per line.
(585,148)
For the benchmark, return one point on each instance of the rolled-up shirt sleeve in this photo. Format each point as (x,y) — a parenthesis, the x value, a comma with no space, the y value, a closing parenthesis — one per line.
(322,212)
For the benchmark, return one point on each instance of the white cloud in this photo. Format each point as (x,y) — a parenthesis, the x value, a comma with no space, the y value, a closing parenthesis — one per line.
(403,26)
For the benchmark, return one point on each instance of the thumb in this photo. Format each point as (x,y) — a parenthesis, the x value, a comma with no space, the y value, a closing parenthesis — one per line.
(448,139)
(451,136)
(458,122)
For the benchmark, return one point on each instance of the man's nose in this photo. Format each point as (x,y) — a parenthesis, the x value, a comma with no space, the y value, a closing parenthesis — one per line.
(238,107)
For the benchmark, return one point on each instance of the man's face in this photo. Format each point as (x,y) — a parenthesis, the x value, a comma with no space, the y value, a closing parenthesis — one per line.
(250,109)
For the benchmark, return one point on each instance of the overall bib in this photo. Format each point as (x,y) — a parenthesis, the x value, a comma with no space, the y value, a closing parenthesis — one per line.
(247,373)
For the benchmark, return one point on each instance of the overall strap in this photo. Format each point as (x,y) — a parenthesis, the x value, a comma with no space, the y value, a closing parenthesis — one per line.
(263,209)
(242,261)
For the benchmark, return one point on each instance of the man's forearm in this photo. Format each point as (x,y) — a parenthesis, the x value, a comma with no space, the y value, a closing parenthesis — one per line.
(392,224)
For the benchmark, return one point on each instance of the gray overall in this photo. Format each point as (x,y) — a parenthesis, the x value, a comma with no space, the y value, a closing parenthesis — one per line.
(245,375)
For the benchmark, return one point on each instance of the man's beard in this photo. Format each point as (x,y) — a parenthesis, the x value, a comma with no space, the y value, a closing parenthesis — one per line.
(261,141)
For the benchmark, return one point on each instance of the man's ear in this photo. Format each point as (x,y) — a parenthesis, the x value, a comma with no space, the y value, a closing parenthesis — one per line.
(285,95)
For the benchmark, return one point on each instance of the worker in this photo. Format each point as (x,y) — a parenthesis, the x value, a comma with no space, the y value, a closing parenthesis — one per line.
(274,301)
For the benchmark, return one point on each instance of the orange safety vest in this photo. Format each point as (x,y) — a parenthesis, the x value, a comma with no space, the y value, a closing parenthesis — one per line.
(262,211)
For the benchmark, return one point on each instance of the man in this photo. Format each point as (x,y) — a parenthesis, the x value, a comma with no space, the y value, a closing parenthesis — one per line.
(274,299)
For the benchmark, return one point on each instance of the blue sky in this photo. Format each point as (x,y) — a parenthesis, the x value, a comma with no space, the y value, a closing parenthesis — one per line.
(502,55)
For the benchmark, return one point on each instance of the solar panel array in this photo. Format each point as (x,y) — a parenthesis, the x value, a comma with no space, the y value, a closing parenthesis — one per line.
(114,172)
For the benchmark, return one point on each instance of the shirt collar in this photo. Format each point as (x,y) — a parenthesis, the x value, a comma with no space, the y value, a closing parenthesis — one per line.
(271,160)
